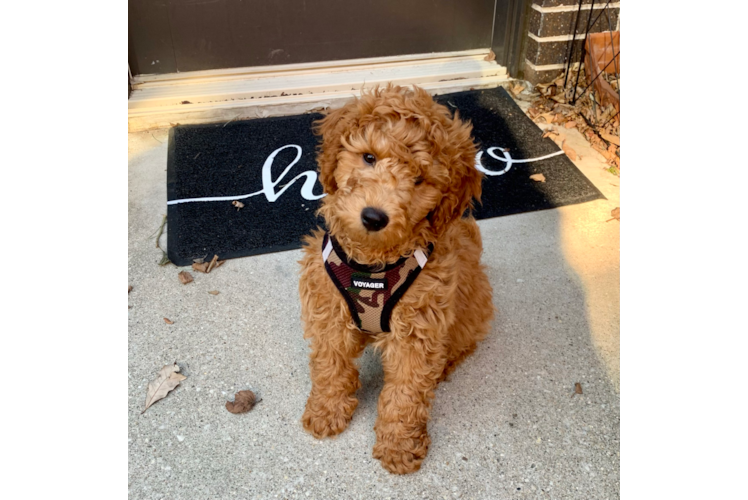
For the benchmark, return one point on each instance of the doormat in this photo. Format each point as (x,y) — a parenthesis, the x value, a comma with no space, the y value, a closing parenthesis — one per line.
(250,187)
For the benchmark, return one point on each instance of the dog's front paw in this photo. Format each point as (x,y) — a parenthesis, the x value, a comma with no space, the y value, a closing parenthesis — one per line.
(401,454)
(325,417)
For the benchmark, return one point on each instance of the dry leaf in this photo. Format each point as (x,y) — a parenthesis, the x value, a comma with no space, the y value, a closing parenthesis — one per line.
(243,402)
(611,138)
(569,152)
(490,56)
(129,288)
(549,117)
(202,267)
(168,321)
(167,380)
(212,263)
(616,213)
(538,177)
(577,388)
(549,133)
(559,98)
(185,277)
(603,151)
(518,88)
(214,292)
(238,204)
(587,115)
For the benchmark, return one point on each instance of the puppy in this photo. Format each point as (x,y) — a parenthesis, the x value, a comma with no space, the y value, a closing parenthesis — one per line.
(399,266)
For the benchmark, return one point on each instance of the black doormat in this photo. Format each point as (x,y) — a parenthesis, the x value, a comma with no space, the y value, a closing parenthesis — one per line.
(273,160)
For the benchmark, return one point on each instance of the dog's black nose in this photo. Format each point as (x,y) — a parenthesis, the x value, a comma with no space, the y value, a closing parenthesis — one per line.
(374,219)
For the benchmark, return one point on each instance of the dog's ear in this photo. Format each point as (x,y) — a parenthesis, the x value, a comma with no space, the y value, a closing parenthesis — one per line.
(458,155)
(330,128)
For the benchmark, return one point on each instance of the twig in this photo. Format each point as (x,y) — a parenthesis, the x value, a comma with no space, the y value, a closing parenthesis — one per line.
(160,231)
(234,118)
(164,257)
(195,158)
(154,138)
(212,263)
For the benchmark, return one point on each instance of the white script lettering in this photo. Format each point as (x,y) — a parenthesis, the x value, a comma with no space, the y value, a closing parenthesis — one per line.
(506,158)
(268,184)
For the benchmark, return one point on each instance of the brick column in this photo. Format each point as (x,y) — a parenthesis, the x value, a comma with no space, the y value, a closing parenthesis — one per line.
(549,31)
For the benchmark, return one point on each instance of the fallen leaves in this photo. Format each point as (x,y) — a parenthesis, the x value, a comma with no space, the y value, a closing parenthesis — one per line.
(611,138)
(517,88)
(238,204)
(207,267)
(560,139)
(612,80)
(548,117)
(616,213)
(168,379)
(243,402)
(185,277)
(129,288)
(538,177)
(168,321)
(599,124)
(569,151)
(577,389)
(214,292)
(200,266)
(490,56)
(212,263)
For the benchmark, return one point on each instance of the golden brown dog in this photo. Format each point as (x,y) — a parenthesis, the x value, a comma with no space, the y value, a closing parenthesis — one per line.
(399,173)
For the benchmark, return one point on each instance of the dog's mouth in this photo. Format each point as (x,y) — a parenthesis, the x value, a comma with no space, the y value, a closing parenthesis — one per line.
(371,236)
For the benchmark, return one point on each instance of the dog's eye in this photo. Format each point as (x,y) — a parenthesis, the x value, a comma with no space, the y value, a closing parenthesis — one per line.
(418,180)
(370,159)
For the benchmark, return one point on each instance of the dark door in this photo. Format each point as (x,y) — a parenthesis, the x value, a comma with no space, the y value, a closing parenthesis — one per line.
(167,36)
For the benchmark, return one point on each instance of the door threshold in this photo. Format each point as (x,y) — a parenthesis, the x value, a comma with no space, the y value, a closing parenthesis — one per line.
(159,101)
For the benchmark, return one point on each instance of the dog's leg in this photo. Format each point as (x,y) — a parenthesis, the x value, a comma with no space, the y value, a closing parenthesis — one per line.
(473,298)
(455,359)
(334,378)
(412,366)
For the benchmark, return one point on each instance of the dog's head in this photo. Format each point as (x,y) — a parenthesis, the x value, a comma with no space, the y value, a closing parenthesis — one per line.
(397,169)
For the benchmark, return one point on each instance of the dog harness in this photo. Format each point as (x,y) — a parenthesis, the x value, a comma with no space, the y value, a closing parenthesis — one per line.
(371,293)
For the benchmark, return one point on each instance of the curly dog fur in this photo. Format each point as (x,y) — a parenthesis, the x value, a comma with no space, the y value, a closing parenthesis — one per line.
(423,179)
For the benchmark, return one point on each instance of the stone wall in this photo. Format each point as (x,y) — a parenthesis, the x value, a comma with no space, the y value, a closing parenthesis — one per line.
(549,25)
